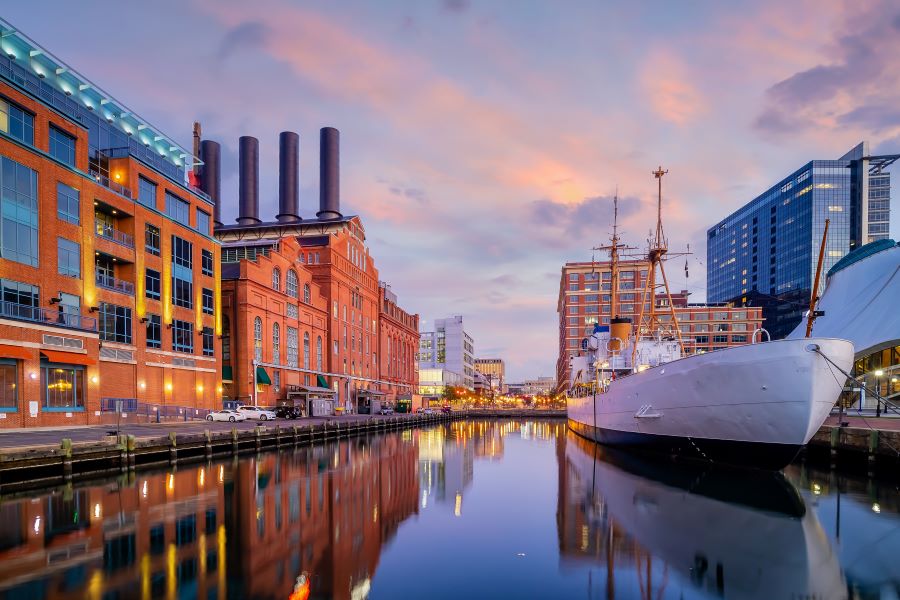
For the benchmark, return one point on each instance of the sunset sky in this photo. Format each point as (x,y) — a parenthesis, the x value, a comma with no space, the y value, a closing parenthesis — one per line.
(481,141)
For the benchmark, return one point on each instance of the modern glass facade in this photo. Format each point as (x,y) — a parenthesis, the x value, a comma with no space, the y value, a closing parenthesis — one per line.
(766,252)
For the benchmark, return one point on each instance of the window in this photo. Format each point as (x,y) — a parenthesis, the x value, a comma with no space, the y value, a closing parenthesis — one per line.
(292,311)
(306,294)
(257,339)
(62,146)
(68,257)
(305,350)
(208,349)
(291,284)
(62,387)
(292,346)
(8,384)
(203,222)
(207,297)
(68,204)
(319,353)
(16,123)
(335,346)
(206,262)
(154,331)
(146,192)
(276,343)
(18,213)
(702,339)
(182,275)
(276,384)
(115,323)
(334,308)
(151,239)
(152,283)
(178,209)
(720,339)
(276,279)
(182,336)
(739,339)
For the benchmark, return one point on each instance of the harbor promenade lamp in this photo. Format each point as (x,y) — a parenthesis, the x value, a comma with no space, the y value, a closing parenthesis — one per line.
(878,373)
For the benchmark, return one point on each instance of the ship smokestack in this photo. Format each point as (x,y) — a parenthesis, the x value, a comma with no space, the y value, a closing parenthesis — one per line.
(288,177)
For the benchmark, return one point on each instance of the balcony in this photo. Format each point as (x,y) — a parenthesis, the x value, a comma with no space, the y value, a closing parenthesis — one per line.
(116,285)
(36,314)
(111,185)
(105,231)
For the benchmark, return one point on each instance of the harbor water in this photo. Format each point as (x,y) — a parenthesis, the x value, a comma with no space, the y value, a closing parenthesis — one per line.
(473,509)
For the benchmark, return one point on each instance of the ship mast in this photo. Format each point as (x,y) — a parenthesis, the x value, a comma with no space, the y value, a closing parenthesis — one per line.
(613,248)
(649,322)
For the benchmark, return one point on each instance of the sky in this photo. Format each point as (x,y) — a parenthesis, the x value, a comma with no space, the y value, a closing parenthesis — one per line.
(482,141)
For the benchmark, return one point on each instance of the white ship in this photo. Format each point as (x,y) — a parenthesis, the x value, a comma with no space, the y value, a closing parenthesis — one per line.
(753,405)
(726,534)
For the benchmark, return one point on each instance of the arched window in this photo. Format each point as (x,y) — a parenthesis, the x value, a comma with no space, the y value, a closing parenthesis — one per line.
(306,293)
(276,279)
(291,284)
(257,339)
(305,350)
(319,353)
(276,343)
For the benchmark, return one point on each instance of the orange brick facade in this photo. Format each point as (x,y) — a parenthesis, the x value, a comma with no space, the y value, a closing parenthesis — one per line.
(107,266)
(398,334)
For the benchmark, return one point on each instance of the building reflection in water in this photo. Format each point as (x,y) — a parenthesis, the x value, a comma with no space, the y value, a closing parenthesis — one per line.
(241,529)
(666,529)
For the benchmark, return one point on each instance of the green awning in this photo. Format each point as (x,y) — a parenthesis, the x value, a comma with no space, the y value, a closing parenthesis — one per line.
(226,373)
(262,377)
(321,382)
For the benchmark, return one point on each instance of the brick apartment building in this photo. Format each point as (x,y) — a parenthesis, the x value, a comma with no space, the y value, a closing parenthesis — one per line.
(368,341)
(584,300)
(108,267)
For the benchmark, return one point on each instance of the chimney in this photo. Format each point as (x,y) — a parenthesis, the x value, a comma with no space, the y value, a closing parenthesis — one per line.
(248,189)
(288,177)
(329,174)
(211,176)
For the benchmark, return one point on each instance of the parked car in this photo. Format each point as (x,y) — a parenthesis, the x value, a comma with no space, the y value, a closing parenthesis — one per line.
(445,410)
(257,412)
(387,410)
(226,415)
(288,412)
(423,410)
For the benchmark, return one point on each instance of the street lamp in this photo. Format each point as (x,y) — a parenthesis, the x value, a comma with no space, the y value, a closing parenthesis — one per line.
(879,373)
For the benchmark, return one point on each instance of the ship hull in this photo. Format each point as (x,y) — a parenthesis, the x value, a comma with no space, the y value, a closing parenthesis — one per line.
(749,406)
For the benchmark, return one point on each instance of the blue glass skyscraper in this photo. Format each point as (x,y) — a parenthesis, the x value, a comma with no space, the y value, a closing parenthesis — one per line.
(766,252)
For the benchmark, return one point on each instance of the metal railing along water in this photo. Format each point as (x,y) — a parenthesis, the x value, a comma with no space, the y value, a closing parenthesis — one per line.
(37,314)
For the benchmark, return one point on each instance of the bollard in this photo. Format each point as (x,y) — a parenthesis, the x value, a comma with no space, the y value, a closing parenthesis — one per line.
(65,447)
(173,447)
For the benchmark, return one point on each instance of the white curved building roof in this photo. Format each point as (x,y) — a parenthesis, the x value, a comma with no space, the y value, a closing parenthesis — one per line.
(862,303)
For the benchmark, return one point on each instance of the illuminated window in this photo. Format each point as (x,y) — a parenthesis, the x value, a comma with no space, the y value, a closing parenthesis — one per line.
(16,123)
(257,339)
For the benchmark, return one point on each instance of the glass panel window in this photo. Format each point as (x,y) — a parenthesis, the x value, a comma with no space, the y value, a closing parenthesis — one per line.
(291,284)
(177,209)
(293,342)
(202,222)
(62,146)
(257,339)
(306,293)
(319,353)
(62,387)
(115,323)
(68,257)
(16,123)
(146,192)
(182,274)
(8,384)
(207,297)
(206,262)
(292,311)
(68,203)
(182,336)
(154,331)
(305,350)
(152,283)
(151,239)
(276,343)
(18,213)
(208,348)
(276,279)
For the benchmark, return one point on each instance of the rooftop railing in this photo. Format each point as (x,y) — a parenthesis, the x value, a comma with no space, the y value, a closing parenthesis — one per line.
(37,314)
(110,184)
(116,285)
(105,230)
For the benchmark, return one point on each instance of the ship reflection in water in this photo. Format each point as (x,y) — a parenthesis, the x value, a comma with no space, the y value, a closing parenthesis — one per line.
(515,509)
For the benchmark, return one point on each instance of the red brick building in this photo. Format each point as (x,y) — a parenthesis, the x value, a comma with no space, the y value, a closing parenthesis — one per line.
(108,267)
(398,334)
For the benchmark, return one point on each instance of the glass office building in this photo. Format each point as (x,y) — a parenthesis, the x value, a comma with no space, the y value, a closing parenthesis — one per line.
(765,254)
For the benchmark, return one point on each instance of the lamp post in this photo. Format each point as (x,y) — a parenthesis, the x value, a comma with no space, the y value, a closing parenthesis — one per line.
(878,375)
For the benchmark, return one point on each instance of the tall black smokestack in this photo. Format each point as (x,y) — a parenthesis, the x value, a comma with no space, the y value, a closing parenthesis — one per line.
(248,194)
(329,174)
(288,177)
(211,176)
